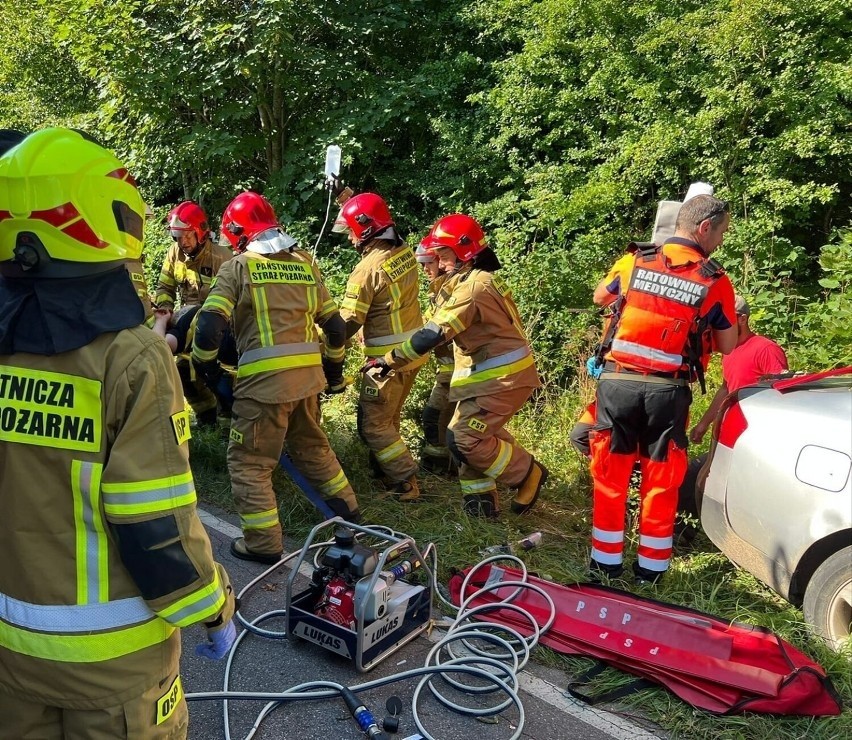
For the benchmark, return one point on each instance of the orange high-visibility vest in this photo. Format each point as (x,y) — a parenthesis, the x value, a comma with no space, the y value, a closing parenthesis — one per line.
(658,326)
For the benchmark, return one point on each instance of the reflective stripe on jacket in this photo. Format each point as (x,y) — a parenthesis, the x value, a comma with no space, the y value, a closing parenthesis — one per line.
(660,313)
(382,296)
(102,554)
(275,302)
(189,278)
(491,349)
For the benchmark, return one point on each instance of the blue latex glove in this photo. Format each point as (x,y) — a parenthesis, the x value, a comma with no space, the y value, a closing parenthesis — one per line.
(593,368)
(218,643)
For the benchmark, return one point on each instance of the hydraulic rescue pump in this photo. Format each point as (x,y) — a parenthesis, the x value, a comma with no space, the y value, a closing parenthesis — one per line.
(364,601)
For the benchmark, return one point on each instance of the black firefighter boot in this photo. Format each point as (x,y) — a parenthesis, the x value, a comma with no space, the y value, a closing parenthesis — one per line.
(484,505)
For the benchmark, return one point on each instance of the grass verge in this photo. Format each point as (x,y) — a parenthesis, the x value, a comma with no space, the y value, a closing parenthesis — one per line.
(702,578)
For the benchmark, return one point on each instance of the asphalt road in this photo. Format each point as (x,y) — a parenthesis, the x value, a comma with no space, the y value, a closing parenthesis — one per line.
(267,665)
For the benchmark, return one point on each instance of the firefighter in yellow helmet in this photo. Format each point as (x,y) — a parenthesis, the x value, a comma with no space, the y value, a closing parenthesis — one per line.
(189,268)
(102,555)
(494,372)
(275,296)
(382,303)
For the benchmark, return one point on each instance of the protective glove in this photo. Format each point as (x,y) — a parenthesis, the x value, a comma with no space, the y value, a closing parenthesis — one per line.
(377,363)
(594,367)
(218,643)
(208,372)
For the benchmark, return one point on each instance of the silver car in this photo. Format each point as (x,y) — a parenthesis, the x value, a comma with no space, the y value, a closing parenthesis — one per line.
(777,492)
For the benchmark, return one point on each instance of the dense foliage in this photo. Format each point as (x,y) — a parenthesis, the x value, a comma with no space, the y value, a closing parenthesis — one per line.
(559,123)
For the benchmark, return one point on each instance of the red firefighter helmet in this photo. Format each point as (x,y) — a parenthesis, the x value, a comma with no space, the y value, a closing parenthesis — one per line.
(460,233)
(366,215)
(246,216)
(186,217)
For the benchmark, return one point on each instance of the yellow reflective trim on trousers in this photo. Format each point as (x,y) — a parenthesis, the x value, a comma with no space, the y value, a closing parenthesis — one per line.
(391,452)
(335,353)
(260,519)
(335,485)
(396,302)
(90,534)
(502,371)
(219,304)
(198,606)
(204,355)
(480,485)
(504,457)
(287,362)
(261,314)
(87,648)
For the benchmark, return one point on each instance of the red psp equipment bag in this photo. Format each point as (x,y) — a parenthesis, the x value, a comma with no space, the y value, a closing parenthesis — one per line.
(719,666)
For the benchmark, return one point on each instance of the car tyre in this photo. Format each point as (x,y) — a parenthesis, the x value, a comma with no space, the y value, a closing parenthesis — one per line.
(828,598)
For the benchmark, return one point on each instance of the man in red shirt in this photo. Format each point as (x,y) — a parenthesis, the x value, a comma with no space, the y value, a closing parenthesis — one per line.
(752,358)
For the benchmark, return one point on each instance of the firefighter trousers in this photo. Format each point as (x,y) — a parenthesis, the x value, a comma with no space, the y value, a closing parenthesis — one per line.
(159,713)
(436,417)
(486,452)
(644,420)
(258,434)
(379,417)
(200,398)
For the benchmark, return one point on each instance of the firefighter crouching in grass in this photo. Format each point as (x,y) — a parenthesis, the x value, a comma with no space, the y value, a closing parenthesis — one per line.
(494,372)
(188,271)
(275,296)
(382,302)
(102,555)
(438,410)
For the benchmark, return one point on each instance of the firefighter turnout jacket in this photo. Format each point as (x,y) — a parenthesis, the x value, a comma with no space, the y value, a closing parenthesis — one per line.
(492,354)
(382,298)
(102,555)
(188,279)
(444,355)
(494,376)
(275,303)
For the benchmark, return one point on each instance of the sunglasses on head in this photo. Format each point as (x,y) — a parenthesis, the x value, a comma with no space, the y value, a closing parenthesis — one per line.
(723,207)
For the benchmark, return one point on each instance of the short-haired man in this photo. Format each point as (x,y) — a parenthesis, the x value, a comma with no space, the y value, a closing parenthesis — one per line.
(672,303)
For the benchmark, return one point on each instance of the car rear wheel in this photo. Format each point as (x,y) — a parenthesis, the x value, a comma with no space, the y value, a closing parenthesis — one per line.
(828,598)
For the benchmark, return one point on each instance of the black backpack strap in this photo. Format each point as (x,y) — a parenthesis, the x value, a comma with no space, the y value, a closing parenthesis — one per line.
(711,269)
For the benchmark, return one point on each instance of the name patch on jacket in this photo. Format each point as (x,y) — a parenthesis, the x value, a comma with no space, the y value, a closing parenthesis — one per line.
(280,272)
(50,409)
(500,285)
(668,286)
(400,264)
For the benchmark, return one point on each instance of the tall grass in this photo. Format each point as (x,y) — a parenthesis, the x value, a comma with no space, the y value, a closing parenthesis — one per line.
(701,579)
